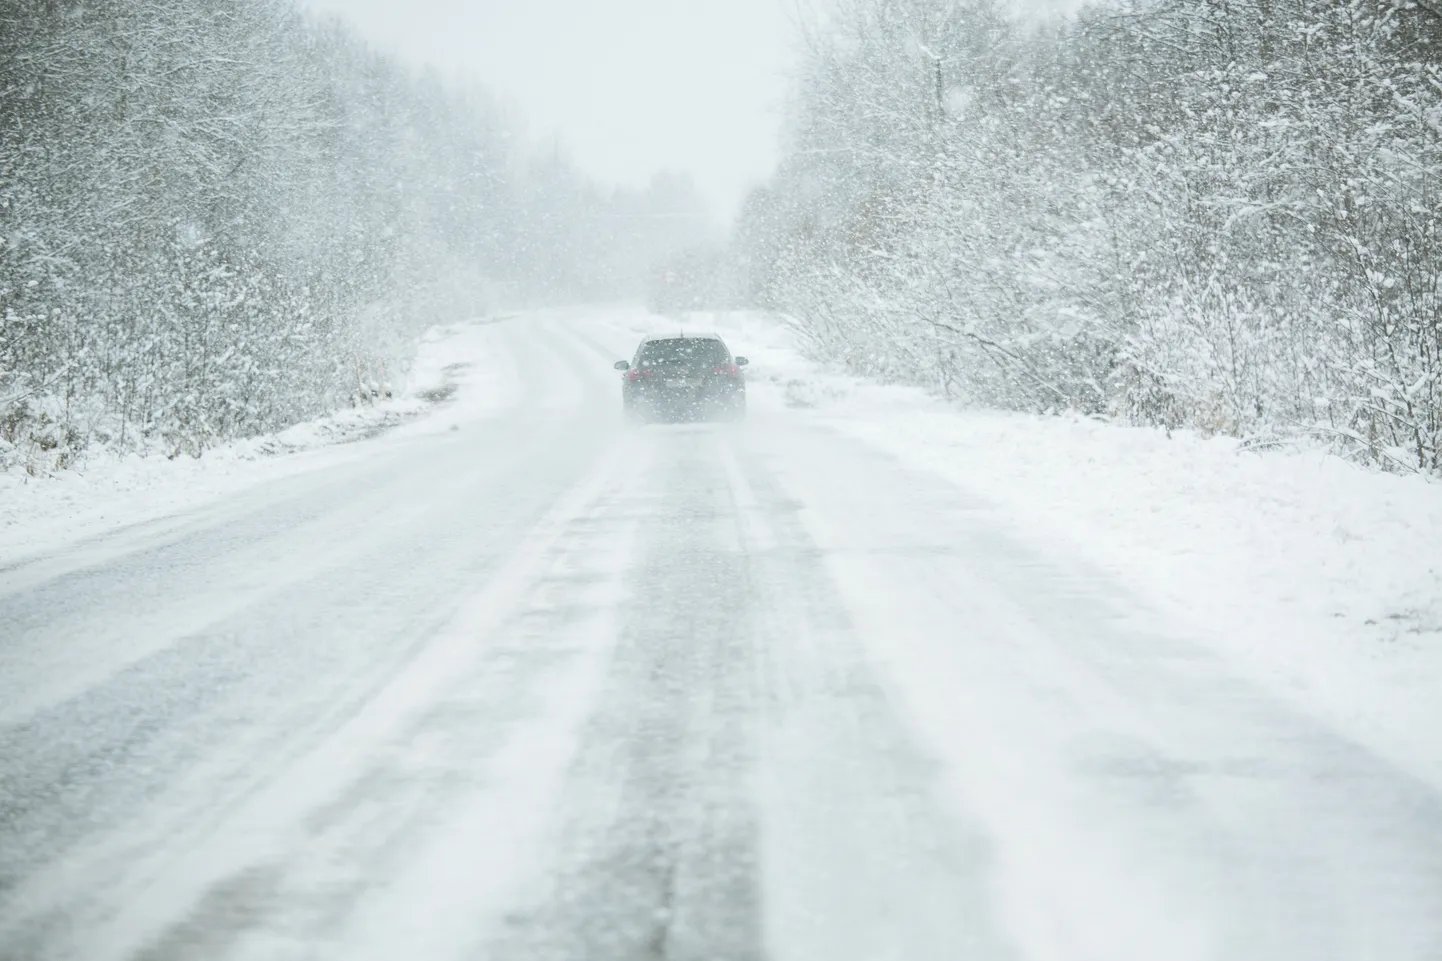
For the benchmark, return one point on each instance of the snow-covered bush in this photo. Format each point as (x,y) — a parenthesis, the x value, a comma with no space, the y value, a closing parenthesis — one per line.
(1180,212)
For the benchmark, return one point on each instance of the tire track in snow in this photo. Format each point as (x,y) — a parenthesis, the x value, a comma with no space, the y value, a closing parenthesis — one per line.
(661,831)
(746,789)
(205,855)
(863,858)
(1140,798)
(434,748)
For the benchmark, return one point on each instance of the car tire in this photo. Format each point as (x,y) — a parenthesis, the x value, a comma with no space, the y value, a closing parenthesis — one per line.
(632,413)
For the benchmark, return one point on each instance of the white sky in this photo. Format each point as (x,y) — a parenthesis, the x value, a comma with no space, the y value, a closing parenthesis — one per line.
(630,86)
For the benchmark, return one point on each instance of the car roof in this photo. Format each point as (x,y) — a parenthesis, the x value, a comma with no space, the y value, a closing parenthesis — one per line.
(682,335)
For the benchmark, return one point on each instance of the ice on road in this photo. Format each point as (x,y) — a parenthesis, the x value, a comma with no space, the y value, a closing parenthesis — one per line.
(543,686)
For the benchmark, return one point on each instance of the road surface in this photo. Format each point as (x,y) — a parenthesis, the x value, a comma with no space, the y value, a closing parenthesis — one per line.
(548,687)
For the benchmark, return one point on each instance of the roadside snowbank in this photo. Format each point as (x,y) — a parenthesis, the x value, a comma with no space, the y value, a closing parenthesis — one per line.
(106,490)
(1316,578)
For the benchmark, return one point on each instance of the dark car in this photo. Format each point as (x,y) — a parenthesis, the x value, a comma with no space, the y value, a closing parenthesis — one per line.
(683,377)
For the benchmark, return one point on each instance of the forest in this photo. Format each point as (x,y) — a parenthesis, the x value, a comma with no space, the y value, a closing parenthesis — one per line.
(222,217)
(1211,214)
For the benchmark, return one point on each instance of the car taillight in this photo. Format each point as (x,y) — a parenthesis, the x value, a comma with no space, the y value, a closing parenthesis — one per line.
(730,370)
(636,373)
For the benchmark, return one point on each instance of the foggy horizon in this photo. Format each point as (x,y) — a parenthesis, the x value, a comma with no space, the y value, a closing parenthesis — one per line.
(628,89)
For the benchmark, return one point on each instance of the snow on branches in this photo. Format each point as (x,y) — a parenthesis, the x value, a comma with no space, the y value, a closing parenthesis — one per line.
(209,209)
(1180,212)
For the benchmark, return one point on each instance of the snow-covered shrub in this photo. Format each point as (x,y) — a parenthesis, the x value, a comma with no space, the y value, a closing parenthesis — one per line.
(1180,212)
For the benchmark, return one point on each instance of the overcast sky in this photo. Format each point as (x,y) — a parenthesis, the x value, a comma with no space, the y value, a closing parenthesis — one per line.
(631,86)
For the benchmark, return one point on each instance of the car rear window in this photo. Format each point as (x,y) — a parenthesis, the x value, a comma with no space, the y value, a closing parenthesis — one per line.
(687,351)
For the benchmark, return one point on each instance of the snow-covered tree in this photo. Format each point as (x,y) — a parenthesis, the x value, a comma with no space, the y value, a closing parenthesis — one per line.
(1212,213)
(218,218)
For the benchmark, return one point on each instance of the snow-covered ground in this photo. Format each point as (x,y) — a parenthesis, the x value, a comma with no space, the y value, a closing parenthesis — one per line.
(864,678)
(1321,579)
(105,491)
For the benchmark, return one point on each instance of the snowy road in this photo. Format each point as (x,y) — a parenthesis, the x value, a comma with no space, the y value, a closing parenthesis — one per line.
(544,687)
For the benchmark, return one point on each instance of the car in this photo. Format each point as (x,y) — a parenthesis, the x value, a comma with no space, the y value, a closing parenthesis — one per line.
(683,377)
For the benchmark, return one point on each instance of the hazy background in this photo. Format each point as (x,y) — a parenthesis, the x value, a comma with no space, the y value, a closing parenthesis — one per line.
(631,87)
